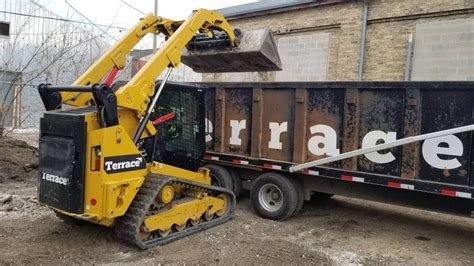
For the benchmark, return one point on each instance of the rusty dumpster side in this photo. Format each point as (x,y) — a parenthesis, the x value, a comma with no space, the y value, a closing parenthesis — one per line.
(253,128)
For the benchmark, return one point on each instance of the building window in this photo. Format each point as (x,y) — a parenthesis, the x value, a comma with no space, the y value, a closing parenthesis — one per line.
(4,29)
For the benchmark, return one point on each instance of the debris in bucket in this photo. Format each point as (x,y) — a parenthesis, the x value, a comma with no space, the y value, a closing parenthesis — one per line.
(256,51)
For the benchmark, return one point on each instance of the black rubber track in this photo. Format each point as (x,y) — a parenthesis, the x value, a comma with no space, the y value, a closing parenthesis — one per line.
(128,226)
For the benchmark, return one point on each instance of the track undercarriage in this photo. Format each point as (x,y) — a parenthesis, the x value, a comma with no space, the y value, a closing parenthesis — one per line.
(167,208)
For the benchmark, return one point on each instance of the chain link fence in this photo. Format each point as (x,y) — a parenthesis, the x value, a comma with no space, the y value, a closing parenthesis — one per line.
(40,47)
(21,113)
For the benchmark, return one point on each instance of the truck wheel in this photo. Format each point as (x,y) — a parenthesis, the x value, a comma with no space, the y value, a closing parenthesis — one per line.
(220,176)
(274,196)
(236,181)
(300,193)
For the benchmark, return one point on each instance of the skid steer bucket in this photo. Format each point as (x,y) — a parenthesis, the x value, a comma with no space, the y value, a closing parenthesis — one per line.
(256,51)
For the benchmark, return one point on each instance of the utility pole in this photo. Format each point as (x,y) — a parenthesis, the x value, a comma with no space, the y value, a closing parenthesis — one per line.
(155,36)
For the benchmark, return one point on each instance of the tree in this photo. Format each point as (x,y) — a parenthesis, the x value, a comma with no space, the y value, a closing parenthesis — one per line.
(42,49)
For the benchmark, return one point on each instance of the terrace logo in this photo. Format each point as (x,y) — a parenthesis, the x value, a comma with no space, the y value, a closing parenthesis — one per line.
(437,152)
(124,163)
(55,179)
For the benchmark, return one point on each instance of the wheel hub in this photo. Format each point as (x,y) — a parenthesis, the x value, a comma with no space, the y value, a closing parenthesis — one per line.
(166,194)
(270,197)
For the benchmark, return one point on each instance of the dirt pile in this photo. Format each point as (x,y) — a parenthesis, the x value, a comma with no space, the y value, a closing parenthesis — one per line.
(18,162)
(18,178)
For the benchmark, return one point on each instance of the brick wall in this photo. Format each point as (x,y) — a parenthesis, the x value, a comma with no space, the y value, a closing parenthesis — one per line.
(444,50)
(389,28)
(389,24)
(304,57)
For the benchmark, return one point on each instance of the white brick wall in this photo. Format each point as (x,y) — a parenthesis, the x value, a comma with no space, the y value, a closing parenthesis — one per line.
(444,50)
(304,57)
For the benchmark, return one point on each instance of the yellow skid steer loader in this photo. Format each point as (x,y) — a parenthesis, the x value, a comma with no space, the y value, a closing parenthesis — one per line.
(109,160)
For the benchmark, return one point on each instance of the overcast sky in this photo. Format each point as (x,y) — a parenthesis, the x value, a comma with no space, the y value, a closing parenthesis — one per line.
(117,13)
(123,13)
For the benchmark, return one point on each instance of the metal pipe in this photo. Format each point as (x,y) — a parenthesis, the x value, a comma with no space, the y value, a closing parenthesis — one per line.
(68,88)
(380,147)
(362,40)
(155,36)
(144,120)
(406,75)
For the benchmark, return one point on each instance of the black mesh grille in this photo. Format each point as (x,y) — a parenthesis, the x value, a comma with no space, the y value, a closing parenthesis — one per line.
(180,140)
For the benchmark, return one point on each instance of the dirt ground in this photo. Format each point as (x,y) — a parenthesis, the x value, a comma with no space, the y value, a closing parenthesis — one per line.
(336,231)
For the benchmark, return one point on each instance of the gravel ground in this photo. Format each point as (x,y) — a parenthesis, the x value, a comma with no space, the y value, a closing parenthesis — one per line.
(336,231)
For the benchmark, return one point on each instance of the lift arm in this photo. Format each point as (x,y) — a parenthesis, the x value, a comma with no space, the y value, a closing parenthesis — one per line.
(135,94)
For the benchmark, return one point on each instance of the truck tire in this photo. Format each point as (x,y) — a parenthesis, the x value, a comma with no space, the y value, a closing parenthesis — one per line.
(236,182)
(300,192)
(220,176)
(274,196)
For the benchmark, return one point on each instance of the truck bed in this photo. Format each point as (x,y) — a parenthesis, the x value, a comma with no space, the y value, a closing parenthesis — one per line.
(260,127)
